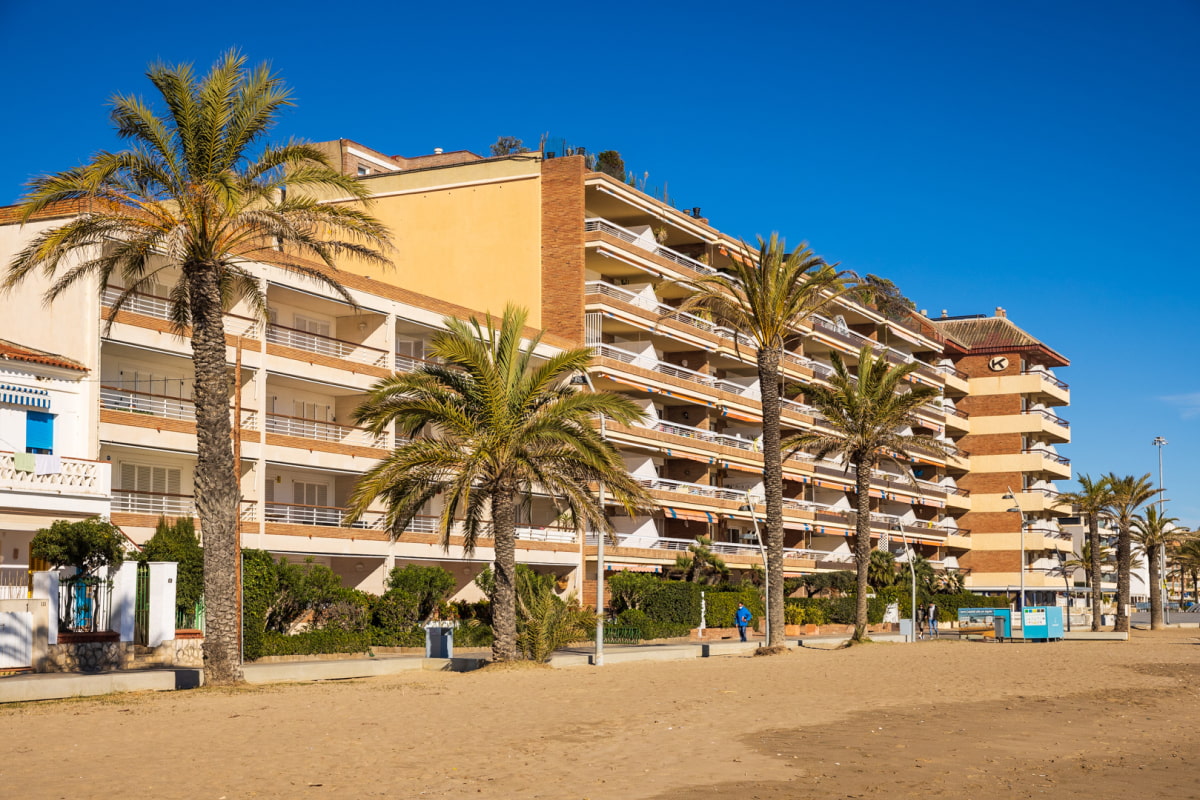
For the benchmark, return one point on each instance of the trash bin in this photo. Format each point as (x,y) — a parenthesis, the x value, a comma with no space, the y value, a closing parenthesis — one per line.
(439,640)
(1108,619)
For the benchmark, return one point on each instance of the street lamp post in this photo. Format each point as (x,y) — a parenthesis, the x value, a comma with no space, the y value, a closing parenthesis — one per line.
(1017,508)
(1160,442)
(766,569)
(600,536)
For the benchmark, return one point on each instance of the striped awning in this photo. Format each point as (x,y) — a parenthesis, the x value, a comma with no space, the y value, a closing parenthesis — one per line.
(691,516)
(24,396)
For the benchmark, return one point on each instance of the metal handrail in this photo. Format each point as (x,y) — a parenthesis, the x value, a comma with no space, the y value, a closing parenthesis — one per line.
(320,430)
(1057,420)
(324,345)
(604,226)
(1045,374)
(150,305)
(690,432)
(1048,454)
(134,502)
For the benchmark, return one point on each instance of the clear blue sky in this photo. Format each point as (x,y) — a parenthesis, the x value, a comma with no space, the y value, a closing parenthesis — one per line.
(1038,156)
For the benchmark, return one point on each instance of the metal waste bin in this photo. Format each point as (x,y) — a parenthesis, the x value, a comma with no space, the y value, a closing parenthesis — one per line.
(1002,622)
(439,640)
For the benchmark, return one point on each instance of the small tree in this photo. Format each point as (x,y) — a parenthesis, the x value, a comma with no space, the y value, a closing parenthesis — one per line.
(508,145)
(176,541)
(429,586)
(700,564)
(87,545)
(610,163)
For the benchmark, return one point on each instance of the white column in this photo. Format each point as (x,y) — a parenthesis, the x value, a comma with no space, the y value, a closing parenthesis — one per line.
(45,587)
(124,594)
(161,627)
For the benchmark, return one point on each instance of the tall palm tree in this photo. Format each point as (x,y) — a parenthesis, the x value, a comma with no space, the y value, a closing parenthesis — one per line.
(869,416)
(195,200)
(1106,562)
(499,425)
(766,298)
(1091,500)
(1152,532)
(1129,493)
(1188,559)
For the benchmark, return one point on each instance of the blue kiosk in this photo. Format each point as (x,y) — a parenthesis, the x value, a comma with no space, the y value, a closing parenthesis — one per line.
(1042,624)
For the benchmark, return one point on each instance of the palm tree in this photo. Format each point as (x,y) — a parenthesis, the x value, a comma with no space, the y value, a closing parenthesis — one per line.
(700,564)
(1083,560)
(1152,532)
(1129,493)
(869,416)
(499,425)
(195,200)
(881,570)
(1091,500)
(1188,559)
(766,299)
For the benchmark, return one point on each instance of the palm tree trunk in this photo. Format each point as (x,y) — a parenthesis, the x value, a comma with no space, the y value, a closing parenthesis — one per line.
(217,491)
(504,598)
(862,545)
(1094,544)
(1124,563)
(1156,605)
(768,381)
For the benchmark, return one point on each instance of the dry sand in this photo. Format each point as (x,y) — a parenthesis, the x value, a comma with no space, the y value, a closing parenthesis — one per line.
(932,720)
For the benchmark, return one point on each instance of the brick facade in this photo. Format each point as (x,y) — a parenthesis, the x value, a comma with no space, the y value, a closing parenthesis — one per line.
(562,247)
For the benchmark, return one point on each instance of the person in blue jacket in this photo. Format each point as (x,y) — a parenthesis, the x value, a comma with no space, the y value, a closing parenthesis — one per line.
(742,618)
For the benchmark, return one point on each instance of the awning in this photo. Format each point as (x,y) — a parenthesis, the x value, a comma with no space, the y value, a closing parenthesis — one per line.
(611,567)
(24,396)
(689,515)
(725,412)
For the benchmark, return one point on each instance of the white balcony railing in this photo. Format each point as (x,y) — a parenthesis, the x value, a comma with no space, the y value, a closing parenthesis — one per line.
(74,476)
(149,305)
(690,432)
(695,489)
(155,405)
(325,345)
(721,548)
(625,235)
(157,503)
(683,373)
(322,431)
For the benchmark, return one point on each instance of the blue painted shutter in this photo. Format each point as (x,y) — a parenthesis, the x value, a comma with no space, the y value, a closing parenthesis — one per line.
(39,432)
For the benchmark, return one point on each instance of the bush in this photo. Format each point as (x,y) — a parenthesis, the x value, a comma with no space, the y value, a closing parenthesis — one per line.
(674,601)
(430,586)
(177,541)
(720,607)
(649,628)
(260,582)
(325,640)
(545,622)
(87,545)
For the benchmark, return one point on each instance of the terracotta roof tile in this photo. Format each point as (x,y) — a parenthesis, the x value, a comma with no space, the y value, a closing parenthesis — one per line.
(992,334)
(19,352)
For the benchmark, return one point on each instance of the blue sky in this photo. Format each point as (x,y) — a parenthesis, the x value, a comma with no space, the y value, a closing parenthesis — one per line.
(1036,156)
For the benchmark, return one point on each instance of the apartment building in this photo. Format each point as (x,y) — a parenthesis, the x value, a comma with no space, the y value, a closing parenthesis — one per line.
(46,472)
(1011,442)
(595,261)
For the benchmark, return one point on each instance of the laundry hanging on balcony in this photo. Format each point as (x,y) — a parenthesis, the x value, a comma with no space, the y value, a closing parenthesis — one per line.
(24,396)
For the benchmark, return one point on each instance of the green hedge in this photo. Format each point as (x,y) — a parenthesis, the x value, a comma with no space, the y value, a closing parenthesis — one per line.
(326,640)
(259,584)
(650,628)
(720,607)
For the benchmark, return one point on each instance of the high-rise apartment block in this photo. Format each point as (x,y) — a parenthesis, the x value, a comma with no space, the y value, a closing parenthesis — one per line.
(596,262)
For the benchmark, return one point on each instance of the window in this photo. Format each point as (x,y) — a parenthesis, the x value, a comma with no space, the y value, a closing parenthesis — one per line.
(149,479)
(310,494)
(39,432)
(310,325)
(364,170)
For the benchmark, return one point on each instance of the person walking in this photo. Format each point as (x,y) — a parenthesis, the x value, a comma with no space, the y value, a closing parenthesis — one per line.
(742,618)
(933,620)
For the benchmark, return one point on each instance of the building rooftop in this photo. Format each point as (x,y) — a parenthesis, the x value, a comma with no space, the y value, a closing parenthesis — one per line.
(19,352)
(981,334)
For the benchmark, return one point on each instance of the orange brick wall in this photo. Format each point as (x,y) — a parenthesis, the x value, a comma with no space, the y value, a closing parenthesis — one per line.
(562,247)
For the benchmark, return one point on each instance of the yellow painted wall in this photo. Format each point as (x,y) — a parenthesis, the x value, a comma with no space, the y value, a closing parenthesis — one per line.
(469,235)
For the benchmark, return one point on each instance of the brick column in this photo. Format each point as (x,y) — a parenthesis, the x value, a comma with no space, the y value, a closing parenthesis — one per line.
(562,247)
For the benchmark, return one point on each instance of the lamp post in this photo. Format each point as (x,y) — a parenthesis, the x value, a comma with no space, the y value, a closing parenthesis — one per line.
(766,568)
(599,658)
(1160,442)
(912,572)
(1017,508)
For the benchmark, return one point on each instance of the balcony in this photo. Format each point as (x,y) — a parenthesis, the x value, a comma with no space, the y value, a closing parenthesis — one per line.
(682,373)
(149,305)
(325,516)
(325,345)
(596,224)
(743,550)
(73,486)
(158,406)
(126,501)
(693,489)
(688,432)
(323,431)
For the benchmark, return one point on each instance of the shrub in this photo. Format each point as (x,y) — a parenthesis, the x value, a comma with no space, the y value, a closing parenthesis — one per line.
(674,601)
(87,545)
(260,582)
(546,622)
(177,541)
(430,586)
(649,628)
(720,607)
(325,640)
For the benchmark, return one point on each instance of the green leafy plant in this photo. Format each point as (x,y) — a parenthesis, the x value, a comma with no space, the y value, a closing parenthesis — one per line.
(610,163)
(546,622)
(88,545)
(429,585)
(176,540)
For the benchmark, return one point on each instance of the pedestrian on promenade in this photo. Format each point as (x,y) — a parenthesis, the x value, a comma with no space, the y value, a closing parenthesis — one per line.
(742,618)
(933,620)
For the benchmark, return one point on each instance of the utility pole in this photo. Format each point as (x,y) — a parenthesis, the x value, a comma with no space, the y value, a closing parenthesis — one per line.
(600,536)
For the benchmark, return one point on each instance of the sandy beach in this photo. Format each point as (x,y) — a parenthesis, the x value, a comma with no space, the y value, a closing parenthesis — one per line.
(934,720)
